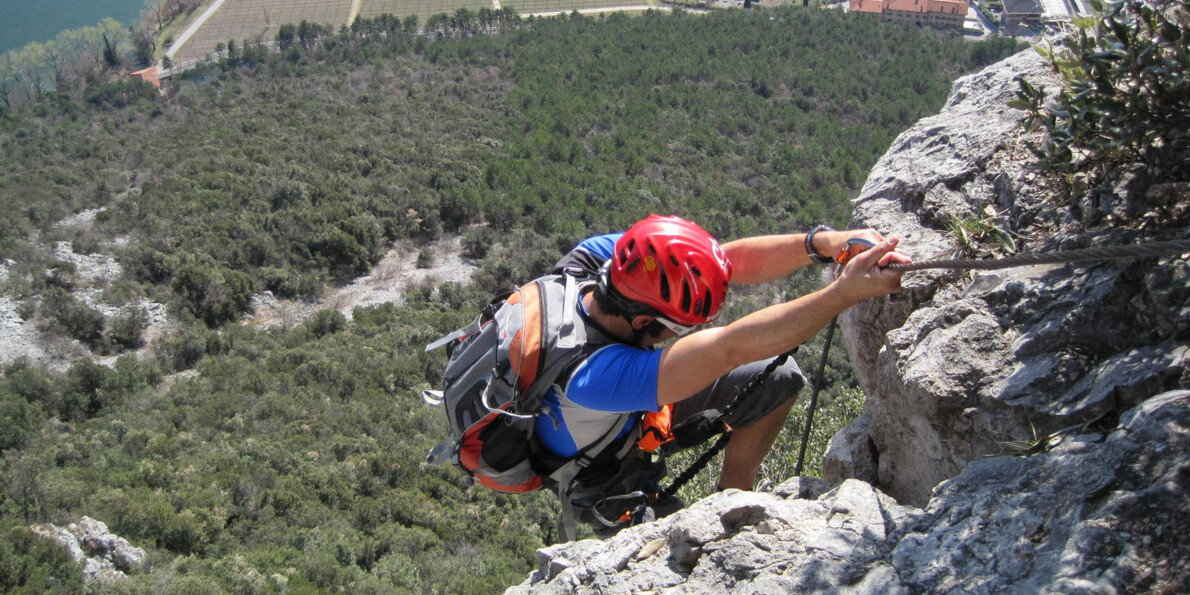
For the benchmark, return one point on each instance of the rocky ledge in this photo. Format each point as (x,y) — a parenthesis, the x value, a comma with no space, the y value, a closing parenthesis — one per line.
(1096,514)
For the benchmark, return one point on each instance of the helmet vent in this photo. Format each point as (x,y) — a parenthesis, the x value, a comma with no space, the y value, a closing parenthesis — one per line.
(686,297)
(664,283)
(626,251)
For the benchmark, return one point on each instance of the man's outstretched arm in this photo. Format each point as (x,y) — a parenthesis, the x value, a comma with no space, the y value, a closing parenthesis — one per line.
(695,361)
(760,259)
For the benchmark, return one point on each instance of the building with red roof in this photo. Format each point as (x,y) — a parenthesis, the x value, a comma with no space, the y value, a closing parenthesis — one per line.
(942,14)
(149,74)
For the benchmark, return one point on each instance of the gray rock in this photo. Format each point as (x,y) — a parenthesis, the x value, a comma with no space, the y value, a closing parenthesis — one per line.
(1096,514)
(106,557)
(742,542)
(1109,508)
(959,364)
(806,488)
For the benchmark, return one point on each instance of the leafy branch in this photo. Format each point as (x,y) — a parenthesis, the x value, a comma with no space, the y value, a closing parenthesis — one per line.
(1126,98)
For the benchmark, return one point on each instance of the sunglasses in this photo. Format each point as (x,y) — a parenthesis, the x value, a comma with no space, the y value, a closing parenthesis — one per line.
(680,329)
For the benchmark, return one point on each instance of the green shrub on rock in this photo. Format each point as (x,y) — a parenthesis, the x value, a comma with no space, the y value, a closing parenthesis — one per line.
(1126,97)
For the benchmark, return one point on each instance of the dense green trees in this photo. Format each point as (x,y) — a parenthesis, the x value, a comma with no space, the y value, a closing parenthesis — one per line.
(31,564)
(299,451)
(292,169)
(291,459)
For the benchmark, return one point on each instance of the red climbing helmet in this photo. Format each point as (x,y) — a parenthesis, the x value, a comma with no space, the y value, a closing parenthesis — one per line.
(670,265)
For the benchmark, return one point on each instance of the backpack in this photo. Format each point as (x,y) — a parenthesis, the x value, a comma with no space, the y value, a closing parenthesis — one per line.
(498,368)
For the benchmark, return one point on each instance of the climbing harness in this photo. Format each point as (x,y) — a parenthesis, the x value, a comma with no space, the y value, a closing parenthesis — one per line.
(630,507)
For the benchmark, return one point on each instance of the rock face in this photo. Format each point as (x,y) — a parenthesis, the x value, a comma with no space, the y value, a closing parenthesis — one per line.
(742,542)
(960,364)
(106,557)
(1026,431)
(1096,514)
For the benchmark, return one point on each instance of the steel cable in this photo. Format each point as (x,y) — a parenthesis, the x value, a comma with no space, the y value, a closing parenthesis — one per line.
(1155,249)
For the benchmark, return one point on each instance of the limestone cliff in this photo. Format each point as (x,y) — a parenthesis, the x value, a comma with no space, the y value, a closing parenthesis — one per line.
(1026,430)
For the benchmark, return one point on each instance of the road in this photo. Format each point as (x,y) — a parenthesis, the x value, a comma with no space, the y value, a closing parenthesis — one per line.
(185,36)
(987,27)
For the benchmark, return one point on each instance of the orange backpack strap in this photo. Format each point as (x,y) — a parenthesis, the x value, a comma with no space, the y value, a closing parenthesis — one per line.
(656,428)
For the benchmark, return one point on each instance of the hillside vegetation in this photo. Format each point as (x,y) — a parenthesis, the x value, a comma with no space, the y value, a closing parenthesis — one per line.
(290,459)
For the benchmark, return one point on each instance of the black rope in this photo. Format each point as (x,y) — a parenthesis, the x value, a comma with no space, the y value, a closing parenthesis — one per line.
(1156,249)
(818,382)
(698,465)
(756,382)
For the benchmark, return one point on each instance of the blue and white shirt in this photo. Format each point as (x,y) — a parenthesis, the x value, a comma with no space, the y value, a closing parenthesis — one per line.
(614,380)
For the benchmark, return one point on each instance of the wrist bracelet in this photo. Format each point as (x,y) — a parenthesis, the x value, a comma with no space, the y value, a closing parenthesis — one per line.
(811,251)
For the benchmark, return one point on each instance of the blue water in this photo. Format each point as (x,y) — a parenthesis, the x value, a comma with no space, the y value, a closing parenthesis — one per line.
(24,21)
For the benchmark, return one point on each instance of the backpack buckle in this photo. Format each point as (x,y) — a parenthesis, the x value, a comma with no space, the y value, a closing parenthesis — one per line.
(432,398)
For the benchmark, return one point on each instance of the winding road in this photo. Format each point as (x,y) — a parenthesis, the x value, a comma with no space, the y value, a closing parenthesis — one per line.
(202,18)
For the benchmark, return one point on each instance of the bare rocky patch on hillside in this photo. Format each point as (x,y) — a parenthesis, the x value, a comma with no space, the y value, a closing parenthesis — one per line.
(396,274)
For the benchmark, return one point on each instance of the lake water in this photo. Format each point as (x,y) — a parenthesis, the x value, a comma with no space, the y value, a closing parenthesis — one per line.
(24,21)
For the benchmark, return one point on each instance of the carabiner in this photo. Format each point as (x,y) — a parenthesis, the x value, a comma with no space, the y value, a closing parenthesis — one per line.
(639,499)
(851,249)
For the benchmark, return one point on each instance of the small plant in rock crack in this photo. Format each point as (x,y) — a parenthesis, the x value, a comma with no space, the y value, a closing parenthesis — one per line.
(981,235)
(1037,443)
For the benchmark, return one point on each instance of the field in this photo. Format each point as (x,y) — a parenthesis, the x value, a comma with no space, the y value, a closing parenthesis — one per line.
(421,8)
(258,20)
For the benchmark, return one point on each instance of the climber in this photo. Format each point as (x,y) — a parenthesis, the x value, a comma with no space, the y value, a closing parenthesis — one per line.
(659,280)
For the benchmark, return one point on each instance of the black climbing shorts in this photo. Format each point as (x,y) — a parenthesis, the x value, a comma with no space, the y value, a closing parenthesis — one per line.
(781,386)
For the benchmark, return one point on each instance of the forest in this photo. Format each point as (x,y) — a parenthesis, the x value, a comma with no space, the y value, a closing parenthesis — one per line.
(289,459)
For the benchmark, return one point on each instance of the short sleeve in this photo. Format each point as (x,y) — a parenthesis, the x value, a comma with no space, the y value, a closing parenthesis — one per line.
(617,378)
(589,255)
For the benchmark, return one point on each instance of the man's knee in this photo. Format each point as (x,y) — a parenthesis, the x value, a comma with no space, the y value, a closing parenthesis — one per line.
(780,391)
(787,381)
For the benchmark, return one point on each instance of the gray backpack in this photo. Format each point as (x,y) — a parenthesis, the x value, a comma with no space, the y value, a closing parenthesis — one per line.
(498,368)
